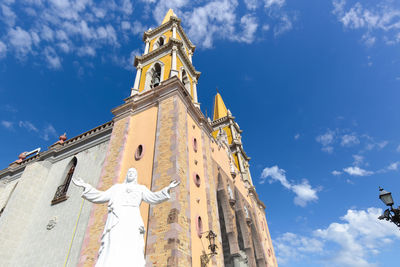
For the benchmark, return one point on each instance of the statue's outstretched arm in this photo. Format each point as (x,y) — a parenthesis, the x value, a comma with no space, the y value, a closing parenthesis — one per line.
(92,194)
(160,196)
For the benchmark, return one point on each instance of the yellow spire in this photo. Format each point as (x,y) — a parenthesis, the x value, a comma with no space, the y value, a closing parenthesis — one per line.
(168,15)
(220,110)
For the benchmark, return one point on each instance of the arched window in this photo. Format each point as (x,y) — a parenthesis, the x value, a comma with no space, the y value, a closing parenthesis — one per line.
(155,76)
(160,42)
(61,193)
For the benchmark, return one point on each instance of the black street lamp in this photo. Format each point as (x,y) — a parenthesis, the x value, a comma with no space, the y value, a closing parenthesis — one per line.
(205,258)
(391,214)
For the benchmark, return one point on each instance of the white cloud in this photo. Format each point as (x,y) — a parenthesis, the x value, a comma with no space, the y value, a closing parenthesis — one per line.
(49,131)
(64,26)
(8,16)
(349,140)
(381,19)
(327,149)
(283,26)
(82,27)
(296,136)
(20,40)
(138,28)
(346,139)
(326,140)
(28,126)
(270,3)
(219,19)
(52,58)
(304,192)
(126,62)
(290,246)
(368,40)
(382,144)
(393,166)
(249,27)
(276,174)
(47,33)
(358,160)
(216,18)
(86,51)
(266,27)
(398,148)
(351,243)
(358,237)
(251,4)
(125,25)
(7,124)
(357,171)
(336,173)
(45,133)
(64,47)
(372,144)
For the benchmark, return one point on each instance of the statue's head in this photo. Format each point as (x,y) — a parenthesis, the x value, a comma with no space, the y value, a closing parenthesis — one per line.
(131,176)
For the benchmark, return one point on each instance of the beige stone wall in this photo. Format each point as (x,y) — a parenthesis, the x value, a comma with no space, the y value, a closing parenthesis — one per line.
(168,240)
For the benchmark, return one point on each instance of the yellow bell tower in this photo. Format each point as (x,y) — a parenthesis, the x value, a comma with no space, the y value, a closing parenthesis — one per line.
(224,125)
(168,52)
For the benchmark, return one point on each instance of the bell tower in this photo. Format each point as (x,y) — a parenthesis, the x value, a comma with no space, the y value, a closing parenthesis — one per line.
(224,125)
(168,52)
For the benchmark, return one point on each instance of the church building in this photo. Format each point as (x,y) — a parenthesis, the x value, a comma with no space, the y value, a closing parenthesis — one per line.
(213,218)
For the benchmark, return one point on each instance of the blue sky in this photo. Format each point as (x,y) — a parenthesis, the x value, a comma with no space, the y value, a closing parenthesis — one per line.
(315,85)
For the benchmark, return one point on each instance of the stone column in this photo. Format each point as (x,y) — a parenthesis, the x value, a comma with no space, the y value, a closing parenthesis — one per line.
(135,89)
(146,49)
(174,71)
(174,31)
(196,103)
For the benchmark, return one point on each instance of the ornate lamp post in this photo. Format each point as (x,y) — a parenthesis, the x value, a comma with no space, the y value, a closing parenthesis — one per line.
(205,258)
(391,214)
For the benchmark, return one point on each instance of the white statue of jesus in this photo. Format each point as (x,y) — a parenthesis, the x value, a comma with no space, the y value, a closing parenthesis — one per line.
(122,242)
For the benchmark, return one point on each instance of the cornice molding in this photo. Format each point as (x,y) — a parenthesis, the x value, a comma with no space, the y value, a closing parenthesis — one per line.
(172,86)
(100,133)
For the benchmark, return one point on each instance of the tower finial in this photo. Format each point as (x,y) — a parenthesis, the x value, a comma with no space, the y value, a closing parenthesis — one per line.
(220,109)
(169,14)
